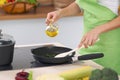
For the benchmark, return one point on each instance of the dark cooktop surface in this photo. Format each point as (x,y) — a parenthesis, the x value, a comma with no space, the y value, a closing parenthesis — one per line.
(23,59)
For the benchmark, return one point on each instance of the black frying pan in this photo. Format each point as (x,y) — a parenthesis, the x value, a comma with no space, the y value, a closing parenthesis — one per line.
(46,54)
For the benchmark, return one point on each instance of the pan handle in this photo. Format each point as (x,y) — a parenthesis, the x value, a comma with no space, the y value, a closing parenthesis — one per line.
(90,56)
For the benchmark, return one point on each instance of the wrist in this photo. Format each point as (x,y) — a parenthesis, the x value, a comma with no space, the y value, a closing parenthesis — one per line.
(98,30)
(59,12)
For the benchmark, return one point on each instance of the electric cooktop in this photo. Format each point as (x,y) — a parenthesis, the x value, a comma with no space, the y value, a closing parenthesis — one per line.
(23,59)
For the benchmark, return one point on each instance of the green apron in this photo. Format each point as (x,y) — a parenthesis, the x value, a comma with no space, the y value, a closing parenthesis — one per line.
(109,43)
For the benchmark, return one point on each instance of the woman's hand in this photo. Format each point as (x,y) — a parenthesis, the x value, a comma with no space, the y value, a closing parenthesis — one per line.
(70,10)
(89,38)
(92,36)
(52,17)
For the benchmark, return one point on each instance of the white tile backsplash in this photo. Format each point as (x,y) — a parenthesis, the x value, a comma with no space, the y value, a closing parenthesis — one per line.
(32,31)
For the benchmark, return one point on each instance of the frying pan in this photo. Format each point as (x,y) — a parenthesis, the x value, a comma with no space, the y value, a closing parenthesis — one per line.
(46,54)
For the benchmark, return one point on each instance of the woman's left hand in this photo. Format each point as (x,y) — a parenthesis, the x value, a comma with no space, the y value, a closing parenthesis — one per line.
(89,38)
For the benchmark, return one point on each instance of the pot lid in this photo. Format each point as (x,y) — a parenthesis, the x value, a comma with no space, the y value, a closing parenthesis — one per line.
(6,39)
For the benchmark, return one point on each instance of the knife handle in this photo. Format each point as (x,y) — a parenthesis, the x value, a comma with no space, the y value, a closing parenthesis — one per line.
(90,56)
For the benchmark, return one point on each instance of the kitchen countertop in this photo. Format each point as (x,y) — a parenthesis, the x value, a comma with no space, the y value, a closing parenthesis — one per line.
(47,70)
(10,75)
(41,12)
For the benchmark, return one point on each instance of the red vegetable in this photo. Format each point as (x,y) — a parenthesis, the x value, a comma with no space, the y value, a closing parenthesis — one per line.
(22,76)
(10,1)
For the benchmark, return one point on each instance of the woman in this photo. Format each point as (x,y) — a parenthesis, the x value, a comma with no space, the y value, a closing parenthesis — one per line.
(101,28)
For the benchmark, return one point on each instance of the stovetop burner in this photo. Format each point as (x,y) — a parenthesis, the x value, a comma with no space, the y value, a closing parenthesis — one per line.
(23,59)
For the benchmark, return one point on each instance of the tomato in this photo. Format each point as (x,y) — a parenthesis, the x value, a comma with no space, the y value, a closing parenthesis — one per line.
(10,0)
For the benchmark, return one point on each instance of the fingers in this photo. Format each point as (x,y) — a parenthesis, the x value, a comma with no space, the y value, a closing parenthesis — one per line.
(88,41)
(52,17)
(49,18)
(84,42)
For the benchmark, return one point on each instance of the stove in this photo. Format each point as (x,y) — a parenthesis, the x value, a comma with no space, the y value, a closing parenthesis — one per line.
(23,59)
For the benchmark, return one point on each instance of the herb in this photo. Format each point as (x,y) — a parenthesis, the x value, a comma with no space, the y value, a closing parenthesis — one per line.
(30,77)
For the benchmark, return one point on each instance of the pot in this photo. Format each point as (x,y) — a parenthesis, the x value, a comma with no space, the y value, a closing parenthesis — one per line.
(46,54)
(6,49)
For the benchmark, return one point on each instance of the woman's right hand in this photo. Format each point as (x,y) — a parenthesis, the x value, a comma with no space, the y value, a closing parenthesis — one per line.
(52,17)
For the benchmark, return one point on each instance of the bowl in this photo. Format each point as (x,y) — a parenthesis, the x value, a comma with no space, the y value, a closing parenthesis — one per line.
(18,7)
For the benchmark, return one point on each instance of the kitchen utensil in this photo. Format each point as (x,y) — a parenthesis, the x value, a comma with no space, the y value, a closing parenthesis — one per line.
(47,54)
(6,49)
(69,52)
(65,53)
(52,30)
